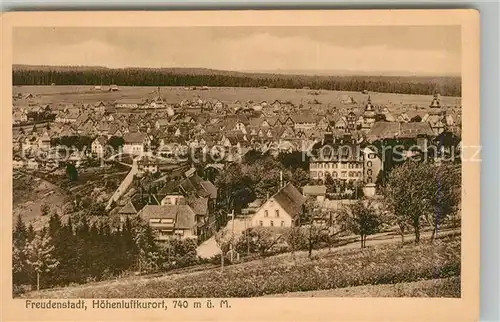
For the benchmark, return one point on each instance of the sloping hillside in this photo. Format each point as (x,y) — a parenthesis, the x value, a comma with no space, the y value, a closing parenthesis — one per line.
(378,265)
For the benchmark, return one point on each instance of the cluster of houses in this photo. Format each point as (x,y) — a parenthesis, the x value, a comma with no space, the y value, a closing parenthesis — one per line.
(184,207)
(198,124)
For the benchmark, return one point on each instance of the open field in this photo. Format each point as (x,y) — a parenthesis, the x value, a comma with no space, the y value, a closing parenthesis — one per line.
(383,264)
(85,94)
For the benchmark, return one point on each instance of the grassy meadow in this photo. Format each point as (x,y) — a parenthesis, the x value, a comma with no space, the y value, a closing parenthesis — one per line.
(86,94)
(441,287)
(380,265)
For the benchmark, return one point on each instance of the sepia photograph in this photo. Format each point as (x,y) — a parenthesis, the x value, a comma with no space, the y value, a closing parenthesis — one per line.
(244,161)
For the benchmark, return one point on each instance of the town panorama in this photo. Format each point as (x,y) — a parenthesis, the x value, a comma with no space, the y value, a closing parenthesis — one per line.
(303,185)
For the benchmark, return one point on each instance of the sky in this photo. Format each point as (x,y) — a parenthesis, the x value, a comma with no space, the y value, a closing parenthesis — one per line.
(377,50)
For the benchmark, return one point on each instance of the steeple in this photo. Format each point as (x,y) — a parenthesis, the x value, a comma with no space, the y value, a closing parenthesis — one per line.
(369,106)
(369,110)
(435,107)
(435,102)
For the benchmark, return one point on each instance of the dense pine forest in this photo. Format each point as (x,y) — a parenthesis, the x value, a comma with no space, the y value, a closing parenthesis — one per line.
(47,75)
(66,253)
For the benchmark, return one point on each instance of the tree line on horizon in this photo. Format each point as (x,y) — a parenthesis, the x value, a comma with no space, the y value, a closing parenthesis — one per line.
(446,86)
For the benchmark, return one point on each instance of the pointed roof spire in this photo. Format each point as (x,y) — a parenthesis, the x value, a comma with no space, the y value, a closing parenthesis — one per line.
(435,101)
(369,106)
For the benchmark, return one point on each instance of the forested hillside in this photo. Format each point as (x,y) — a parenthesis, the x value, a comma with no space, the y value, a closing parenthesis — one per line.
(46,75)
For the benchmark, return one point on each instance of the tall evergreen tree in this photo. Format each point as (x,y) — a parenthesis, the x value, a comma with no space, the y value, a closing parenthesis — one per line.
(40,255)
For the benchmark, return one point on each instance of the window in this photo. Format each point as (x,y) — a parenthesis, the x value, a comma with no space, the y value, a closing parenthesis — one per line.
(334,174)
(320,174)
(327,166)
(369,163)
(350,174)
(272,223)
(371,156)
(312,166)
(369,180)
(344,173)
(277,212)
(261,223)
(343,165)
(266,213)
(282,223)
(335,166)
(165,232)
(359,173)
(321,165)
(369,172)
(314,174)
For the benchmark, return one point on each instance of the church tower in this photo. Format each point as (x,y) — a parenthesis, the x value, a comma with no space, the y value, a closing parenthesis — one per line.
(368,115)
(435,107)
(436,117)
(369,109)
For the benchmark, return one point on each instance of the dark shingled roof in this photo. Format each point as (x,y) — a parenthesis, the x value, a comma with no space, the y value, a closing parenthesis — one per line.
(192,185)
(183,215)
(290,199)
(199,205)
(128,209)
(186,218)
(134,137)
(210,188)
(382,130)
(316,190)
(303,118)
(158,212)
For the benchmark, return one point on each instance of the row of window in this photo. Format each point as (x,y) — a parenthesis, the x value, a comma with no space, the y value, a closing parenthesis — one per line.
(343,174)
(271,223)
(276,213)
(357,176)
(342,165)
(336,165)
(162,221)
